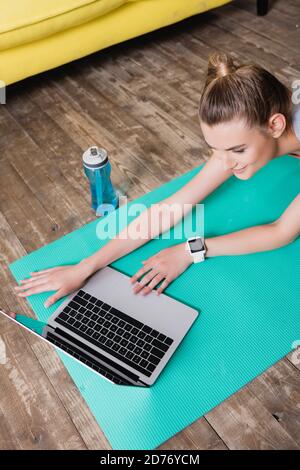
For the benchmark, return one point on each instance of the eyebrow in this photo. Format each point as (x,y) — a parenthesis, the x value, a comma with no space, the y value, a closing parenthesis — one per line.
(231,148)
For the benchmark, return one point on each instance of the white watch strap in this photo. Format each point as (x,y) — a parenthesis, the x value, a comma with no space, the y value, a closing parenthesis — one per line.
(198,256)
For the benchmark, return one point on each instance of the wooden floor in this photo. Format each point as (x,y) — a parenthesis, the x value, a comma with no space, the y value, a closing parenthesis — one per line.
(138,100)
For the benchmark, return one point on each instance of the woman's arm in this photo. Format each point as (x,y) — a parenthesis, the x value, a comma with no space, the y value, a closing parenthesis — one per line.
(261,237)
(149,224)
(171,262)
(160,217)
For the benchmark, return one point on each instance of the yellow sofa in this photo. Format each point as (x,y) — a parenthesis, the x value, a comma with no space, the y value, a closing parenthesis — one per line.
(38,35)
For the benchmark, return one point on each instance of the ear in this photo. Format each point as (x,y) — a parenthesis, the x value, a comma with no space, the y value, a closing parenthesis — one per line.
(276,125)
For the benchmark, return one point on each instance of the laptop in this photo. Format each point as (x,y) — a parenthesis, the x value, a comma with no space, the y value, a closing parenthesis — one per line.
(126,338)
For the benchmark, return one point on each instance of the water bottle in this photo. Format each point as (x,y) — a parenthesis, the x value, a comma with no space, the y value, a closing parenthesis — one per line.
(97,168)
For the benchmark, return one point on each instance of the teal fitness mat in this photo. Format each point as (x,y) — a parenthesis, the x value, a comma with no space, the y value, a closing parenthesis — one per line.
(249,310)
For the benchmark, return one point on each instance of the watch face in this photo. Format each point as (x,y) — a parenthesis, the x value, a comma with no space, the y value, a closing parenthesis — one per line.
(196,245)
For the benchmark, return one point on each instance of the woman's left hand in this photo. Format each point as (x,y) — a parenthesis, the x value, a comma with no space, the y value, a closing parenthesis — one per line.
(9,313)
(166,264)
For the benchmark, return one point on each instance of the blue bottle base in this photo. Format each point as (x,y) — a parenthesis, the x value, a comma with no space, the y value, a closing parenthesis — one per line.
(106,208)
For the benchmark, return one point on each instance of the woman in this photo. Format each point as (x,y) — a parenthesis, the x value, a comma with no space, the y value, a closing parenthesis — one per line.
(247,118)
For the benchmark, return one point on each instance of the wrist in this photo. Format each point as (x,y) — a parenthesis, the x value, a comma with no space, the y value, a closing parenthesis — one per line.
(196,248)
(186,252)
(212,247)
(88,266)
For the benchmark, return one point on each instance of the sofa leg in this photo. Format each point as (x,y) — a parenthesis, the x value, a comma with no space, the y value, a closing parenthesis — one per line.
(262,7)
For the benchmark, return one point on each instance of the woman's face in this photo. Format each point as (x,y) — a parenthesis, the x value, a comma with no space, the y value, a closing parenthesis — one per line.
(241,149)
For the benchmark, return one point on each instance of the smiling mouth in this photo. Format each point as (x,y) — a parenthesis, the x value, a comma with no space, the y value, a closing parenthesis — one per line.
(239,170)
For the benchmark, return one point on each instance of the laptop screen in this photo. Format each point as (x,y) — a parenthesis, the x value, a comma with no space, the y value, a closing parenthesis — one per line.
(74,348)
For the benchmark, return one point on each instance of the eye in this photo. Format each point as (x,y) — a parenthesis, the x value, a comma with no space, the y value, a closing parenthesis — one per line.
(239,151)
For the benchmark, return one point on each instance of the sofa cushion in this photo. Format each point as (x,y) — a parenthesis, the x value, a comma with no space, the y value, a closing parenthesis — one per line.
(24,21)
(130,20)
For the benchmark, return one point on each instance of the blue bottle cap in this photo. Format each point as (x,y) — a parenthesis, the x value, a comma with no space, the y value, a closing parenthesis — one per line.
(95,157)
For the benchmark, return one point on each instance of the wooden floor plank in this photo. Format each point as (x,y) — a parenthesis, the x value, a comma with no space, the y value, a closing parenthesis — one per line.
(81,125)
(29,402)
(46,139)
(27,217)
(243,422)
(281,12)
(278,389)
(198,436)
(294,357)
(270,26)
(156,113)
(124,126)
(221,39)
(253,38)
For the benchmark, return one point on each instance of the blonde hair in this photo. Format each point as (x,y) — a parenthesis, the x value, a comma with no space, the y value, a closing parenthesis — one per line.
(246,91)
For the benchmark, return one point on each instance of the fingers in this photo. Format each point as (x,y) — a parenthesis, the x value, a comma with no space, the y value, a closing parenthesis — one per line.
(147,278)
(43,287)
(38,278)
(163,286)
(37,275)
(44,271)
(149,259)
(139,274)
(12,314)
(9,313)
(37,289)
(55,297)
(31,283)
(33,278)
(156,280)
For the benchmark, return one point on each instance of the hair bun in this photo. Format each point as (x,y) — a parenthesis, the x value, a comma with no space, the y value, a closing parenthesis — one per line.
(219,65)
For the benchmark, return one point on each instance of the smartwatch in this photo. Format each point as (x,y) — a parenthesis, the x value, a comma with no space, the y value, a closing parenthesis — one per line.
(197,248)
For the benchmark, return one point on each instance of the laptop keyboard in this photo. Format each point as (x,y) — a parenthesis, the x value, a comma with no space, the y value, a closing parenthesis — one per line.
(86,359)
(113,331)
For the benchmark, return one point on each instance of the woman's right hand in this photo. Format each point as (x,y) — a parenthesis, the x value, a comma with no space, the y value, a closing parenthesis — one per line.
(63,279)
